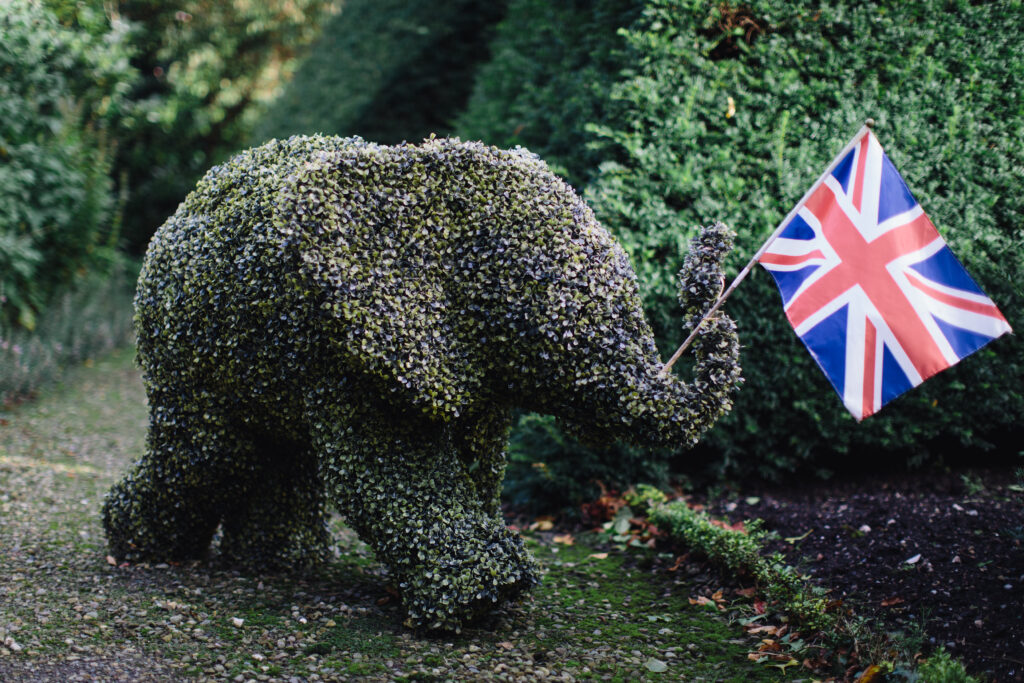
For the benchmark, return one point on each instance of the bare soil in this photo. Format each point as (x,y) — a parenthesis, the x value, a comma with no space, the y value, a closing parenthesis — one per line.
(935,554)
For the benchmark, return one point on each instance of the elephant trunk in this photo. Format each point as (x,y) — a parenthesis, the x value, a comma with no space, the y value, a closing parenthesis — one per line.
(649,406)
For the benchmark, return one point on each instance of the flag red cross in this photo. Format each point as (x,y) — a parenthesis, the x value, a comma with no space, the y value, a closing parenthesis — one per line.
(863,263)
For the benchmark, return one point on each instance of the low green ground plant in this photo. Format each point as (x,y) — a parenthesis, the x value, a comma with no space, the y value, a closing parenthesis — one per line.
(800,602)
(940,667)
(741,553)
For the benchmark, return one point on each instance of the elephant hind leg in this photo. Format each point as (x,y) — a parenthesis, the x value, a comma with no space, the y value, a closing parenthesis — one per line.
(171,502)
(404,489)
(281,523)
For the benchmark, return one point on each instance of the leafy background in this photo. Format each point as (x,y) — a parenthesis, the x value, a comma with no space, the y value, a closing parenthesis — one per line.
(665,114)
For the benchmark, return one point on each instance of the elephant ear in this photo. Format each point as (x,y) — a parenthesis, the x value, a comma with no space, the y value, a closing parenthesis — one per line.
(374,270)
(403,337)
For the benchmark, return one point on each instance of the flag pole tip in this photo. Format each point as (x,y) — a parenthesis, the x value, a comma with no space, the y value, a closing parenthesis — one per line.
(870,123)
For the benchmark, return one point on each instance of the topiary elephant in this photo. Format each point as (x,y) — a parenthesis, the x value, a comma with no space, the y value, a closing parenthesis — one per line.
(327,320)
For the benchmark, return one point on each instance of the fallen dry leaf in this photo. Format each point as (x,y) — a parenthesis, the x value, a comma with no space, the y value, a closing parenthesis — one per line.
(889,602)
(543,524)
(737,527)
(765,629)
(701,600)
(679,562)
(871,674)
(599,556)
(564,539)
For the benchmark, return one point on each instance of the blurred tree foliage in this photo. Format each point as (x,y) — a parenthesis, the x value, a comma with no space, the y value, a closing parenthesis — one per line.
(387,70)
(205,70)
(61,92)
(110,111)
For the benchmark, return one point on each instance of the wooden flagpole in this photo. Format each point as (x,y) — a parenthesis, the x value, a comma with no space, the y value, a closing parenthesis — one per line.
(868,124)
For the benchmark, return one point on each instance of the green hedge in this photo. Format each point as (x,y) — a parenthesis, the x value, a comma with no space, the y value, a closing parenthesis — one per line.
(386,70)
(648,131)
(552,68)
(939,77)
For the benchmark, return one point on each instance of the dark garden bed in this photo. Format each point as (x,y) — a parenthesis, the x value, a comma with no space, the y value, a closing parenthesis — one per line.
(938,555)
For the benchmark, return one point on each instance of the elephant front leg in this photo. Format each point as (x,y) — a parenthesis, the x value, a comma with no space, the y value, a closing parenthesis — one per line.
(481,441)
(406,492)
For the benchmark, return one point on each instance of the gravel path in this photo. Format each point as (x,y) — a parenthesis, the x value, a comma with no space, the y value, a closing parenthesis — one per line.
(67,615)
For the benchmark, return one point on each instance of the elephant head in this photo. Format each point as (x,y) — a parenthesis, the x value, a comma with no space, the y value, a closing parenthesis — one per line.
(589,358)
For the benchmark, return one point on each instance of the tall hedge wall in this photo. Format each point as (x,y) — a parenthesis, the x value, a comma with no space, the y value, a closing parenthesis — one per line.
(387,70)
(940,78)
(670,152)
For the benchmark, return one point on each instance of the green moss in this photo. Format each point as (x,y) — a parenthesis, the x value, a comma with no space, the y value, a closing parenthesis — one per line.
(326,320)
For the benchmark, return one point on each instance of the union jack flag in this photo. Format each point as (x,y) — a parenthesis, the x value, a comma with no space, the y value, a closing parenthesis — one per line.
(870,287)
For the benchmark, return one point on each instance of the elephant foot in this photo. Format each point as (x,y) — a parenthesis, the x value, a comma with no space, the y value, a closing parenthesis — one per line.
(275,547)
(465,575)
(140,529)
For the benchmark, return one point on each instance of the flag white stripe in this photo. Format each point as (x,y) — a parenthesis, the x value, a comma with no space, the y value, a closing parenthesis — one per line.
(973,297)
(785,246)
(872,186)
(853,383)
(899,219)
(972,322)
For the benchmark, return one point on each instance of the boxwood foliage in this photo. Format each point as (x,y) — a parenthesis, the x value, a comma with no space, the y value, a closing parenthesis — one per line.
(330,320)
(733,111)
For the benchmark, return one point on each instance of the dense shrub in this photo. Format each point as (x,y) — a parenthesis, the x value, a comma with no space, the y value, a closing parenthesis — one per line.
(59,89)
(730,112)
(386,70)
